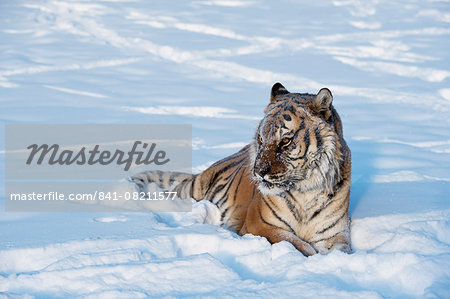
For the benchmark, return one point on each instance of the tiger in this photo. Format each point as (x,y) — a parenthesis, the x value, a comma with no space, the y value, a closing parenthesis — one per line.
(291,183)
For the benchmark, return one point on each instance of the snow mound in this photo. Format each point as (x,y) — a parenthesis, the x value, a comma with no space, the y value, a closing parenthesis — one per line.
(394,255)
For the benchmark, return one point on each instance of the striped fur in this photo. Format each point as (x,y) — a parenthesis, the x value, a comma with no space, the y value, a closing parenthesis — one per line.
(291,183)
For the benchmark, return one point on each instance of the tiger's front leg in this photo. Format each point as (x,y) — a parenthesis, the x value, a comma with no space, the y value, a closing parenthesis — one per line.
(262,224)
(278,235)
(341,242)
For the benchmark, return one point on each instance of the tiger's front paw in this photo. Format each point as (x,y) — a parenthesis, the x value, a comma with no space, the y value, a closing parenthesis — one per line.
(304,247)
(344,247)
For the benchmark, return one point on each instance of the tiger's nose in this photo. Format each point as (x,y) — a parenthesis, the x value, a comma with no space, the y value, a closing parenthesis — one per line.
(262,172)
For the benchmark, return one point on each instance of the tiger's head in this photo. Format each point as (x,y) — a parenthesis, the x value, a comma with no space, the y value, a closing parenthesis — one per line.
(296,145)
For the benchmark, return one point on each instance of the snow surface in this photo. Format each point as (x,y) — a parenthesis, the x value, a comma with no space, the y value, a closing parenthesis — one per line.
(211,64)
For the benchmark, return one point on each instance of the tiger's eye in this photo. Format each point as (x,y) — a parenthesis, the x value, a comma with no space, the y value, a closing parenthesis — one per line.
(285,141)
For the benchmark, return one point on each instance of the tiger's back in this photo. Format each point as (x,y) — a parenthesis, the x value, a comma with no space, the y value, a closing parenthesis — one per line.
(291,183)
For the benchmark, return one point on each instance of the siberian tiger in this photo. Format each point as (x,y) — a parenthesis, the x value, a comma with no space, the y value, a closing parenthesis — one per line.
(292,182)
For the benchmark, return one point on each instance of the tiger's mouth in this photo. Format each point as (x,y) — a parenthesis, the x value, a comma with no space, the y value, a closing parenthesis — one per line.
(274,187)
(267,184)
(268,188)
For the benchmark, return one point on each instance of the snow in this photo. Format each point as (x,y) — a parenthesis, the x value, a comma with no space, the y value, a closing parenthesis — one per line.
(211,64)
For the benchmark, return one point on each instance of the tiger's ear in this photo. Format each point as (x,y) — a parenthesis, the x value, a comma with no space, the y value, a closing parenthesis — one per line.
(277,90)
(323,100)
